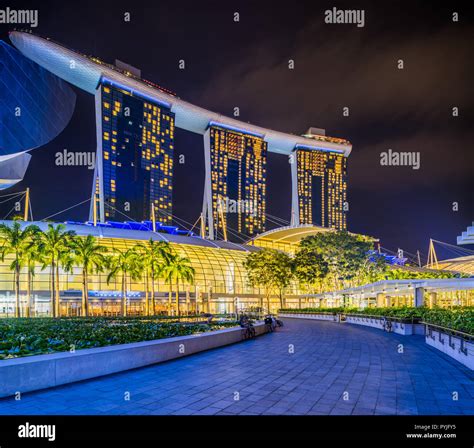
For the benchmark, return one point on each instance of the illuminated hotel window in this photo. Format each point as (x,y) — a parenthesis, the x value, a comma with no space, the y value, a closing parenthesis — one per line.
(128,177)
(238,167)
(321,178)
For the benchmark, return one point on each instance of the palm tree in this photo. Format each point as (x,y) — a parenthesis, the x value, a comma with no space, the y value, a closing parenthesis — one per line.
(53,245)
(88,254)
(179,268)
(31,258)
(16,241)
(155,255)
(124,263)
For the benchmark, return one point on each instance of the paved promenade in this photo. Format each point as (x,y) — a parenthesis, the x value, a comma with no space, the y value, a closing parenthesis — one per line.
(306,367)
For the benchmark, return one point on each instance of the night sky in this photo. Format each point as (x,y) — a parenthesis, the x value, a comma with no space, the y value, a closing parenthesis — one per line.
(245,65)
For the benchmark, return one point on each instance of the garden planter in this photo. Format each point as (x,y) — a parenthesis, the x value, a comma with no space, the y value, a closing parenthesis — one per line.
(36,372)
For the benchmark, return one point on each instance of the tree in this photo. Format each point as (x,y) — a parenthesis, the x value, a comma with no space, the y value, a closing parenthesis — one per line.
(156,255)
(178,268)
(89,255)
(30,260)
(310,268)
(344,253)
(17,242)
(125,263)
(53,245)
(271,270)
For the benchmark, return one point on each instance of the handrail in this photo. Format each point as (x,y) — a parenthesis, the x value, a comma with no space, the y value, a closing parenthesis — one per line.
(452,331)
(414,320)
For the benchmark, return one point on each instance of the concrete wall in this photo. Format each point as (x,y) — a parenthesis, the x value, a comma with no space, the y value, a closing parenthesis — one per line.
(452,348)
(42,371)
(315,316)
(397,327)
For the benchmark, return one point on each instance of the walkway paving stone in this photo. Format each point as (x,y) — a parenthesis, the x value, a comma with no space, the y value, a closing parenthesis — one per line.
(306,367)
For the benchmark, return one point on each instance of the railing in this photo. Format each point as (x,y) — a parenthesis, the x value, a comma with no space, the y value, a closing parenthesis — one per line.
(404,320)
(450,332)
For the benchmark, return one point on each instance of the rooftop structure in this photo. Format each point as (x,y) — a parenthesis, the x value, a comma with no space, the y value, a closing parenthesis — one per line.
(86,73)
(135,122)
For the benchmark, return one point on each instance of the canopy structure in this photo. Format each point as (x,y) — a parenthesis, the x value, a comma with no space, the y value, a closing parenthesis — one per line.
(464,265)
(286,238)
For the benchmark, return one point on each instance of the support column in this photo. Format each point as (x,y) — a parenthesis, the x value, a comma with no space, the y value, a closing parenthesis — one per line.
(207,214)
(419,297)
(99,167)
(295,209)
(432,299)
(380,299)
(388,301)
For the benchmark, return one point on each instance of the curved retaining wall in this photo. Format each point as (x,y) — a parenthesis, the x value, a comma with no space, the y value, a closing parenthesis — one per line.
(453,346)
(315,316)
(43,371)
(399,327)
(403,328)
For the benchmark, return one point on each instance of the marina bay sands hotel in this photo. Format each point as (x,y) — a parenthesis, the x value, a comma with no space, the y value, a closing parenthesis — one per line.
(135,127)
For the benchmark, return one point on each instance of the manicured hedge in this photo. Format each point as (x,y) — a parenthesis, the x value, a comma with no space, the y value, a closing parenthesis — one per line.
(460,318)
(398,312)
(23,337)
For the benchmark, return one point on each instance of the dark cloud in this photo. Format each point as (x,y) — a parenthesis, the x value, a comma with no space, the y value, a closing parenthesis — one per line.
(346,70)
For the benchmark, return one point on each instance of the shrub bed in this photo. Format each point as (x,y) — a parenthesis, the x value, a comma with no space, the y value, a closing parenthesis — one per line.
(408,313)
(23,337)
(461,318)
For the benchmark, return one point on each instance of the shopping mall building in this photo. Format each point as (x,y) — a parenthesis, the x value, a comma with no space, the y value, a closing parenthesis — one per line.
(220,284)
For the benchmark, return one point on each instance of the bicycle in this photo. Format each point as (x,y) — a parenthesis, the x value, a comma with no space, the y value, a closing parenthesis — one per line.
(248,332)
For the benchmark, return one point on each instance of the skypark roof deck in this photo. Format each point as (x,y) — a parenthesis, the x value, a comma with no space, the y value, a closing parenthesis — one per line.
(87,72)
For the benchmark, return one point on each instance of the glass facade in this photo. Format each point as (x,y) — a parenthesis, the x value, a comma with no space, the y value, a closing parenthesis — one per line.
(35,104)
(322,188)
(137,154)
(219,274)
(238,180)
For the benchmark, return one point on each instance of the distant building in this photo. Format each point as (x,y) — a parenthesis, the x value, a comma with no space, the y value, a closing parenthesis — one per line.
(135,155)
